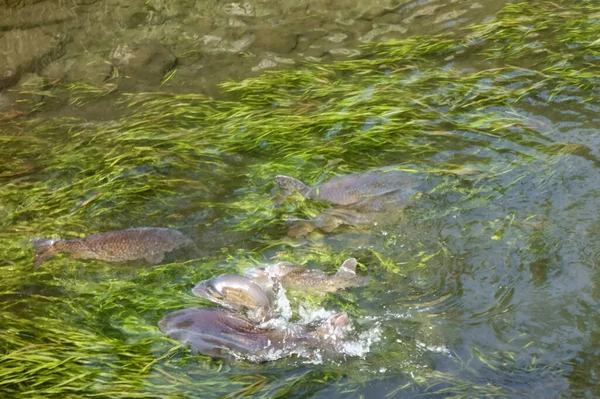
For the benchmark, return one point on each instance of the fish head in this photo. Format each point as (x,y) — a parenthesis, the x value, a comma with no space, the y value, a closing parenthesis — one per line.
(220,333)
(236,292)
(191,318)
(289,185)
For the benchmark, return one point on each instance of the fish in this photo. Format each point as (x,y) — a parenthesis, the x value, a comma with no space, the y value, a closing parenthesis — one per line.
(291,275)
(221,334)
(237,293)
(354,189)
(356,199)
(147,243)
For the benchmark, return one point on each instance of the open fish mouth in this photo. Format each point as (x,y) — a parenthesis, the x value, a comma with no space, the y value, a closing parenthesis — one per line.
(238,293)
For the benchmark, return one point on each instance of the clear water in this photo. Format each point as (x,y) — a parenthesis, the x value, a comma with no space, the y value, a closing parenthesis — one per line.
(503,303)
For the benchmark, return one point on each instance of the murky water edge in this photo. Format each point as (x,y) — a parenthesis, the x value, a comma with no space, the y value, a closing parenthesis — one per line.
(486,287)
(100,47)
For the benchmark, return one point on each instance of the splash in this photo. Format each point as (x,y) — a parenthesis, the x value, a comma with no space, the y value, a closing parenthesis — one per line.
(334,330)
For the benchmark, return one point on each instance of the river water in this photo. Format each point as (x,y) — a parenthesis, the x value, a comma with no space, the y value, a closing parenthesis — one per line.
(487,286)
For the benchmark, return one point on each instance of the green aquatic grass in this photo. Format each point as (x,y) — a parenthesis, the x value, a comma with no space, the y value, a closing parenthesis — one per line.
(76,329)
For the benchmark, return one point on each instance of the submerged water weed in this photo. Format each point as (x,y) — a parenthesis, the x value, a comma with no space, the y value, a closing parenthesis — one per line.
(186,161)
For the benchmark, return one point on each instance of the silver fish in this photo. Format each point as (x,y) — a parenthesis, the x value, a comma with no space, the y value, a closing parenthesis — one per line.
(237,293)
(219,333)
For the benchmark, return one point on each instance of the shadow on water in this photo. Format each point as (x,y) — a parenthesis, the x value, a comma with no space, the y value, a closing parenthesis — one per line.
(484,286)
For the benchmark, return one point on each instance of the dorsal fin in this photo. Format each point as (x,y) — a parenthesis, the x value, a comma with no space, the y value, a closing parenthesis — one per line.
(289,185)
(347,268)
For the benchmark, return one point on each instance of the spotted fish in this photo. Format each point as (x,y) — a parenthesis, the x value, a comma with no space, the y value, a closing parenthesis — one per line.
(297,277)
(148,243)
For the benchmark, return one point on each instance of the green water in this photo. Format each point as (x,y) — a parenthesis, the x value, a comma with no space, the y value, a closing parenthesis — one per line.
(487,287)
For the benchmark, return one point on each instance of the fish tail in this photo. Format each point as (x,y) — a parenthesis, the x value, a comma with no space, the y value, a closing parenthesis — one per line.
(289,185)
(191,244)
(45,249)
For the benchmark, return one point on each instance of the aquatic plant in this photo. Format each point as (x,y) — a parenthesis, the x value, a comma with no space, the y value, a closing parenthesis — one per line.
(206,167)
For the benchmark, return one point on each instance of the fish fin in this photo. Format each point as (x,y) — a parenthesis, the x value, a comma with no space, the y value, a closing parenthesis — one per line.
(348,267)
(189,243)
(328,223)
(289,185)
(155,258)
(45,250)
(299,229)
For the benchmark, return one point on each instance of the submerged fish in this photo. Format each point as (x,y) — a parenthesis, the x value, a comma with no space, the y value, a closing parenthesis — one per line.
(237,293)
(355,188)
(219,333)
(356,198)
(148,243)
(297,277)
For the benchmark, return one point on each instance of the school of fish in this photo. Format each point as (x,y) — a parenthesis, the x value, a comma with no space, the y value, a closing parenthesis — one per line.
(243,327)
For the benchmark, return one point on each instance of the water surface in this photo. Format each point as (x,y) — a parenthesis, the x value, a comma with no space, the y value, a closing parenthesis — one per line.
(486,287)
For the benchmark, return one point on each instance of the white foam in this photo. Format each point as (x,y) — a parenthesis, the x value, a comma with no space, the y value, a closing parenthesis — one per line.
(308,316)
(337,337)
(362,345)
(433,348)
(282,303)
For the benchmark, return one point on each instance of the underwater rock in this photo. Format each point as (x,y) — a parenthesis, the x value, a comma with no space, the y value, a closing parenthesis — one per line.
(199,25)
(169,8)
(382,31)
(139,19)
(218,333)
(86,68)
(148,243)
(273,39)
(227,39)
(22,51)
(35,15)
(297,277)
(373,12)
(26,93)
(150,61)
(18,3)
(237,293)
(357,198)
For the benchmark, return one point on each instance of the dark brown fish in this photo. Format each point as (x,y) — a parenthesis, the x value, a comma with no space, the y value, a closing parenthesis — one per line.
(148,243)
(219,333)
(298,277)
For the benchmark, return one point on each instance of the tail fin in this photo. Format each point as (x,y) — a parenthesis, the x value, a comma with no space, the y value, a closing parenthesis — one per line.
(289,185)
(189,243)
(347,268)
(45,250)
